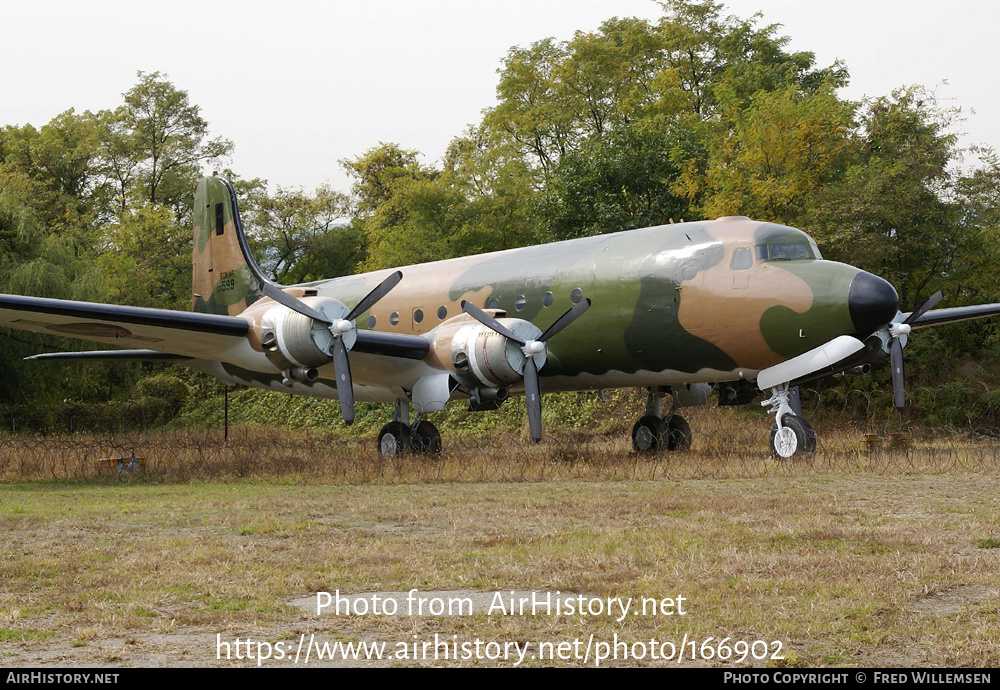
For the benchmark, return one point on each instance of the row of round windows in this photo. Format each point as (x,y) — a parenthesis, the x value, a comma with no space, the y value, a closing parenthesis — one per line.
(520,302)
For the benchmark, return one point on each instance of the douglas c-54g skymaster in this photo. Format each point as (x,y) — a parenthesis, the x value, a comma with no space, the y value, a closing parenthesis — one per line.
(673,309)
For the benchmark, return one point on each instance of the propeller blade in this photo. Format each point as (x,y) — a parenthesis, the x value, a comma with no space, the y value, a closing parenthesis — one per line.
(533,397)
(488,321)
(925,307)
(345,387)
(896,355)
(375,295)
(566,319)
(281,297)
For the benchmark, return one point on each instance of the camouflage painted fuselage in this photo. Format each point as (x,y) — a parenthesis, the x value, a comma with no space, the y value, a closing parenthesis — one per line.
(676,304)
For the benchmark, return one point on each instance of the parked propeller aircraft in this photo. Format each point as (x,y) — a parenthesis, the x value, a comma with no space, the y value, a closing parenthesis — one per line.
(675,309)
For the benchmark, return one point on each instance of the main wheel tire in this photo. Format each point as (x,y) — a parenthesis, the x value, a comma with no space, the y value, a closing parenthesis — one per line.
(393,439)
(678,434)
(650,434)
(425,439)
(795,437)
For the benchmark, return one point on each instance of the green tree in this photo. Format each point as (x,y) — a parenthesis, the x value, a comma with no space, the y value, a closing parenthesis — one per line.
(622,182)
(297,237)
(391,187)
(147,259)
(59,162)
(379,172)
(895,212)
(155,144)
(778,155)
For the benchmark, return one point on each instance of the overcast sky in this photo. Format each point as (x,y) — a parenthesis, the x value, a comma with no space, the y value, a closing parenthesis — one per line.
(298,86)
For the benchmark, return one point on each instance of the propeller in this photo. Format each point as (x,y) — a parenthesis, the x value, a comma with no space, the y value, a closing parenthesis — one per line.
(530,348)
(338,329)
(898,332)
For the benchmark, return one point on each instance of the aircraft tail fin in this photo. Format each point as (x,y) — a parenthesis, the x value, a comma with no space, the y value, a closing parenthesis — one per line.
(225,279)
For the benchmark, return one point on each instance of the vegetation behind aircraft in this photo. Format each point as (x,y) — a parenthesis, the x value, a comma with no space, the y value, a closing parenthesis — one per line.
(697,115)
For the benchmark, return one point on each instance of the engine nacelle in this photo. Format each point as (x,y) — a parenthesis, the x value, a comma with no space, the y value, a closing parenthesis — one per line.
(484,358)
(294,341)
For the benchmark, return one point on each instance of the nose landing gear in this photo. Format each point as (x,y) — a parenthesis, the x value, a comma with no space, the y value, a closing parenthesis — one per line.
(792,436)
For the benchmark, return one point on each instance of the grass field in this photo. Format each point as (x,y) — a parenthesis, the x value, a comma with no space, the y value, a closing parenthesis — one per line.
(851,557)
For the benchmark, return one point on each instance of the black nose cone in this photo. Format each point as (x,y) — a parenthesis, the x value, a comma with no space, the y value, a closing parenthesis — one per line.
(872,301)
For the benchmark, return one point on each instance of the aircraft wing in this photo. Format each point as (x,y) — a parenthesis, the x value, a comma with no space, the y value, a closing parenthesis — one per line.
(939,317)
(165,334)
(157,331)
(113,355)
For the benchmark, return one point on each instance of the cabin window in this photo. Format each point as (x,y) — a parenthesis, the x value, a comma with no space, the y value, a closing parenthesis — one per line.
(576,296)
(519,302)
(220,221)
(547,299)
(371,321)
(394,318)
(742,259)
(494,304)
(442,312)
(418,315)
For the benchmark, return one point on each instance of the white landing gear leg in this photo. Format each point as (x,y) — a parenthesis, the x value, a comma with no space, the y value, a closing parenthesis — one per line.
(792,435)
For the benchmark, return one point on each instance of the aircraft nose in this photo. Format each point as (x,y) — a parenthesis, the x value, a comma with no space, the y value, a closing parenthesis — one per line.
(872,302)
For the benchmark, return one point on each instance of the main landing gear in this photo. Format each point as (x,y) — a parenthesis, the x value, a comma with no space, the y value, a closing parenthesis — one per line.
(791,435)
(653,433)
(400,436)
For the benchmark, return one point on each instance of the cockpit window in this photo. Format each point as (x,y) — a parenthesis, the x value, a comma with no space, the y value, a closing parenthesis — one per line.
(785,251)
(742,260)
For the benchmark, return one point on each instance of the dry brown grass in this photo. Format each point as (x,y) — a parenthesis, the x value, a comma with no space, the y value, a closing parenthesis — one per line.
(727,444)
(849,558)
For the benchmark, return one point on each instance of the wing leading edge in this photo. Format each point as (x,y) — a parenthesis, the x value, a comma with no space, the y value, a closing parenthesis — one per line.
(177,333)
(940,317)
(166,334)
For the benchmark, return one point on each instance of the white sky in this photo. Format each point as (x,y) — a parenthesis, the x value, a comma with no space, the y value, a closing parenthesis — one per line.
(298,86)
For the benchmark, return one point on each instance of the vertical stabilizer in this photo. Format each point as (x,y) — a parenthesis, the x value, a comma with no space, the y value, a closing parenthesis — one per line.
(225,279)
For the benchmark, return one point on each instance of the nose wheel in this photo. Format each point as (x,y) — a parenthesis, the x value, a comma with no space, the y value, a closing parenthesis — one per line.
(791,435)
(794,437)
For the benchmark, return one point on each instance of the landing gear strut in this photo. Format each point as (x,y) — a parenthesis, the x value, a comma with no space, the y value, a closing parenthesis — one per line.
(400,436)
(653,433)
(791,435)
